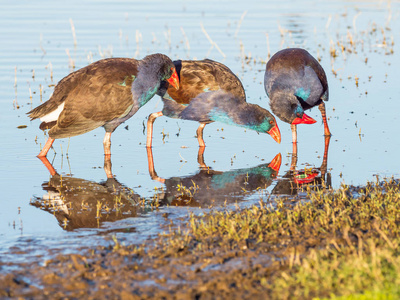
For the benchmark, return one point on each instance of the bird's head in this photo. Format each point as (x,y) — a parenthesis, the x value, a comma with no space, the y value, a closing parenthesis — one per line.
(163,67)
(267,124)
(287,107)
(299,117)
(172,77)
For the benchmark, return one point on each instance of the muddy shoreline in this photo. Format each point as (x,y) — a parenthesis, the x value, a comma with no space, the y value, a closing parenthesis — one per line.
(296,250)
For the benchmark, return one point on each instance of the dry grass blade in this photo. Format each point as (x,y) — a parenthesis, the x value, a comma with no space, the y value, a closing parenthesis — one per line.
(211,41)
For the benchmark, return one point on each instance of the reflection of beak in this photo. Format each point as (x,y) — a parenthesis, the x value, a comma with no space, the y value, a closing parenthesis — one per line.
(174,80)
(275,133)
(304,178)
(304,120)
(275,164)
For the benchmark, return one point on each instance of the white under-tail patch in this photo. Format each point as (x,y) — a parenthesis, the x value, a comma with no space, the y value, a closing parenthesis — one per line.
(53,116)
(55,200)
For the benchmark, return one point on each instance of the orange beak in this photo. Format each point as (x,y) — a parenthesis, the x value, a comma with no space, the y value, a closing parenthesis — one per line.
(174,80)
(275,164)
(275,133)
(304,120)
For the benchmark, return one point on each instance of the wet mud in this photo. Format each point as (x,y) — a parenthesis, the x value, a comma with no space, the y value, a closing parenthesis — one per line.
(237,254)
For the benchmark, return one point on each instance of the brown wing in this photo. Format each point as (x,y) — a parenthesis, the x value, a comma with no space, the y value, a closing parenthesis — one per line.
(196,77)
(92,95)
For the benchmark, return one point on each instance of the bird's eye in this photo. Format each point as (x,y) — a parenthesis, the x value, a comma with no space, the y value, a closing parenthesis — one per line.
(298,114)
(271,122)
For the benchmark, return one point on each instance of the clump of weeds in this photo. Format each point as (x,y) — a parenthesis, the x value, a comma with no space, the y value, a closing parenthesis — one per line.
(341,242)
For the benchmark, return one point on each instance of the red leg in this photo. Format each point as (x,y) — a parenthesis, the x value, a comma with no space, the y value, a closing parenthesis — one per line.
(324,165)
(150,122)
(107,143)
(323,113)
(294,154)
(46,148)
(48,165)
(152,171)
(200,134)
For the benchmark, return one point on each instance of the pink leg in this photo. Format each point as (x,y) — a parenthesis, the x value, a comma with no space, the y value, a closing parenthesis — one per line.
(48,165)
(46,148)
(323,113)
(200,134)
(294,133)
(150,122)
(107,143)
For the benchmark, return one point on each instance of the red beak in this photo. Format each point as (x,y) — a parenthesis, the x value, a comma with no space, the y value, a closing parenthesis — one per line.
(275,133)
(275,164)
(304,120)
(174,80)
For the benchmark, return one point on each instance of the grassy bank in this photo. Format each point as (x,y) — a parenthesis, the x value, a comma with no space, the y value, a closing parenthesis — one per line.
(342,244)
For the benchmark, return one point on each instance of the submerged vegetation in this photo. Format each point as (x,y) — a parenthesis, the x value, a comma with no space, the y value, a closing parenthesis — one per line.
(342,244)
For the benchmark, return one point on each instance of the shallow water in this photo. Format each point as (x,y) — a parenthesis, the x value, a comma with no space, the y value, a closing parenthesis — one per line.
(37,50)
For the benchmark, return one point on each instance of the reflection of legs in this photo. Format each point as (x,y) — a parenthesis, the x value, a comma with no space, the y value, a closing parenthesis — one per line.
(107,154)
(200,158)
(150,122)
(46,148)
(107,166)
(324,165)
(107,143)
(200,134)
(293,164)
(323,113)
(152,171)
(294,154)
(48,165)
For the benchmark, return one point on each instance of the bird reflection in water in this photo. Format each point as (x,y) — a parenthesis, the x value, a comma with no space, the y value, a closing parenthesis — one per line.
(80,203)
(314,178)
(209,187)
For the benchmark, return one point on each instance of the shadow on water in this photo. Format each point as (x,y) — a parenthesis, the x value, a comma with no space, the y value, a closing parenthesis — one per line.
(295,179)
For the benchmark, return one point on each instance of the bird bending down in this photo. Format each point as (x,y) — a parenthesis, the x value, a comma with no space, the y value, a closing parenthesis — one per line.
(105,93)
(294,82)
(219,96)
(224,107)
